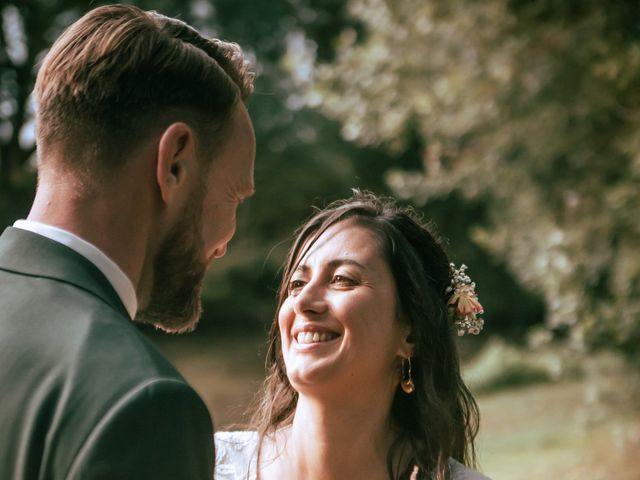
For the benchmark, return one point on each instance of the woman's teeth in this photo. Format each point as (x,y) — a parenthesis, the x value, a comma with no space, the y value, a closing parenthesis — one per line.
(315,337)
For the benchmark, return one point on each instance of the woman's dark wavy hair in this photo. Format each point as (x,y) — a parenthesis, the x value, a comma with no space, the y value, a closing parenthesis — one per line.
(440,418)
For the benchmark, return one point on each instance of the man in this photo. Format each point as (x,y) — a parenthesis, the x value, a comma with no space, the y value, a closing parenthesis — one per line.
(145,150)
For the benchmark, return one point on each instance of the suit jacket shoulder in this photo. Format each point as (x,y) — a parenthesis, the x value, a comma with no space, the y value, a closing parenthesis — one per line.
(80,383)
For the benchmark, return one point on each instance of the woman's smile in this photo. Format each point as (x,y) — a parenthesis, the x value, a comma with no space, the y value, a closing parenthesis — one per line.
(307,338)
(310,335)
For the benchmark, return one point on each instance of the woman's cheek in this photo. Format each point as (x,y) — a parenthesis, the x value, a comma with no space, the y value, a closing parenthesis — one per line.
(285,318)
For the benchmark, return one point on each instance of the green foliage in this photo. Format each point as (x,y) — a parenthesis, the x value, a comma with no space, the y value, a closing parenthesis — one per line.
(500,366)
(530,108)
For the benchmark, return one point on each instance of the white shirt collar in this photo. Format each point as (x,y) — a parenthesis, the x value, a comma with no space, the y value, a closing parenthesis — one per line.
(118,279)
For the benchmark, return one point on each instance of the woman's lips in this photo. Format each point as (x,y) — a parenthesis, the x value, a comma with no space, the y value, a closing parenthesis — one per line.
(309,334)
(304,338)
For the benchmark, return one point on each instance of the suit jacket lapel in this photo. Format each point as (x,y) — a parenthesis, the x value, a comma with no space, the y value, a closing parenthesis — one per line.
(31,254)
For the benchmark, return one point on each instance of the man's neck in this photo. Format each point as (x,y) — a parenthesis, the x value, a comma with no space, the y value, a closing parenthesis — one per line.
(113,273)
(113,224)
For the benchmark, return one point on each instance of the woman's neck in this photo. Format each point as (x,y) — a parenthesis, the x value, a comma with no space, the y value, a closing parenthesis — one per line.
(333,440)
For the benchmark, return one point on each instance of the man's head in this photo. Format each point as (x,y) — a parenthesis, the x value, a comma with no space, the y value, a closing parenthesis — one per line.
(120,75)
(124,87)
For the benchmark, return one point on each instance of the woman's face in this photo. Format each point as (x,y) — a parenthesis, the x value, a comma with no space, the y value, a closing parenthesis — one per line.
(339,324)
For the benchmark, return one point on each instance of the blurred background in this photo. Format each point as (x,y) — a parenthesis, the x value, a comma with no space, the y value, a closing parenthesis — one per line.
(513,124)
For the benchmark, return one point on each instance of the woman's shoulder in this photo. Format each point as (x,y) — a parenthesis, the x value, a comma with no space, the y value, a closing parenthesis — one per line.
(462,472)
(235,455)
(238,437)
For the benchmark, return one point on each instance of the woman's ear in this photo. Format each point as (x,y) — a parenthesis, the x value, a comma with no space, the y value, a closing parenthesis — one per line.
(176,162)
(407,345)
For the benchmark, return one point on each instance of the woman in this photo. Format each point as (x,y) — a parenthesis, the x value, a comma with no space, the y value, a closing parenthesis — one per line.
(363,377)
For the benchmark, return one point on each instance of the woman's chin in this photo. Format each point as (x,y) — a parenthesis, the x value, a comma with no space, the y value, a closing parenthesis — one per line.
(314,364)
(306,375)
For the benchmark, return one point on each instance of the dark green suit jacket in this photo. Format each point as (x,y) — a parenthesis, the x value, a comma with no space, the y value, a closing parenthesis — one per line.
(83,395)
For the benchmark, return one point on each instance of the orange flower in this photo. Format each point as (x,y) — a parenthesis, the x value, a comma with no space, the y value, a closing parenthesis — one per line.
(465,303)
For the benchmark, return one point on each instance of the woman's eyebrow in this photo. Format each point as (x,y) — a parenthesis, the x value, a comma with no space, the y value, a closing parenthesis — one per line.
(346,261)
(336,262)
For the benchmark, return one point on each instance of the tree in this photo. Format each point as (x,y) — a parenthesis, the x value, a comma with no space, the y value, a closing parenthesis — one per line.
(528,107)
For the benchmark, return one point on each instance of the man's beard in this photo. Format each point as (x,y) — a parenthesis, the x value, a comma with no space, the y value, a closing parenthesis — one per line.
(179,267)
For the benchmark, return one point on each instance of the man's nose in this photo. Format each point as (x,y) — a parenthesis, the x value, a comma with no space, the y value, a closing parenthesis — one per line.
(220,251)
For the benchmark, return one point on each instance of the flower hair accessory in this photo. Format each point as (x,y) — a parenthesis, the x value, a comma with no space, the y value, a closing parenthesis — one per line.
(463,306)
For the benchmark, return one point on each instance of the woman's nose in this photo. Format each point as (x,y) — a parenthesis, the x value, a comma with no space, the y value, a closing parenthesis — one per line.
(310,299)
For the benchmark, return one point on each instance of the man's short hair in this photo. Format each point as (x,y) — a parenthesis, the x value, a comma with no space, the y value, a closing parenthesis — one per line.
(120,74)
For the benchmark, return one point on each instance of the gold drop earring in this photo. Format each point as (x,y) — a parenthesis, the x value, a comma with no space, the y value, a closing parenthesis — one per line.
(406,383)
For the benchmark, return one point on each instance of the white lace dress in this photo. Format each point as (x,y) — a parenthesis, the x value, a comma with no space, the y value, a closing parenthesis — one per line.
(236,458)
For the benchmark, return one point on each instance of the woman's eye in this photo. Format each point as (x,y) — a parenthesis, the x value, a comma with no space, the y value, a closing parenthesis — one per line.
(295,285)
(342,280)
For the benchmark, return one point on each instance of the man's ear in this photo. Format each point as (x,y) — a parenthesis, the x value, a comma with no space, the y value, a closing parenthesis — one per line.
(176,162)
